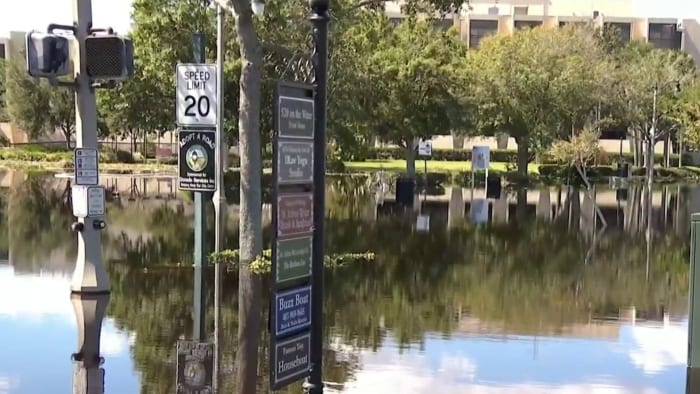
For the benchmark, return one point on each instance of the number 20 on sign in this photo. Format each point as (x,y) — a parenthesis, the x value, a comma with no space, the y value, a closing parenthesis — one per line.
(196,95)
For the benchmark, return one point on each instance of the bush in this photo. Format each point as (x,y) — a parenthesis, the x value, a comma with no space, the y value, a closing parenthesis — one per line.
(497,155)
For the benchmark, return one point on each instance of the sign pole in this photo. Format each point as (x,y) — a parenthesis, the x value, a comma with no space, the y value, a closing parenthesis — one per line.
(90,275)
(319,20)
(200,257)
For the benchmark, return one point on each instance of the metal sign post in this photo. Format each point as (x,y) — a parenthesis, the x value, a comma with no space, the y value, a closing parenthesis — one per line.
(293,220)
(197,116)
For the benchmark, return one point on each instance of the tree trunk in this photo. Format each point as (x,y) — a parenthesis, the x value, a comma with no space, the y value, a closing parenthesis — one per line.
(411,159)
(67,135)
(250,222)
(667,153)
(523,155)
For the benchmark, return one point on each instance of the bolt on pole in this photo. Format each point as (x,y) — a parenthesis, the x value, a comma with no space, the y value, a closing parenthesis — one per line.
(90,275)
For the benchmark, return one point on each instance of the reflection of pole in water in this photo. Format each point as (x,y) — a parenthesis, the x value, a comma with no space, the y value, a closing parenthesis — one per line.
(88,376)
(648,229)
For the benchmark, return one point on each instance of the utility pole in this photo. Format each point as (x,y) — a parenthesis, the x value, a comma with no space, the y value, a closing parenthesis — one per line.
(319,20)
(90,275)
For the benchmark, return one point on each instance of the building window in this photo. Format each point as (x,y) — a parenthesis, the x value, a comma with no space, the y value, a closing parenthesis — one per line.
(2,51)
(623,30)
(478,29)
(527,24)
(443,24)
(520,10)
(664,35)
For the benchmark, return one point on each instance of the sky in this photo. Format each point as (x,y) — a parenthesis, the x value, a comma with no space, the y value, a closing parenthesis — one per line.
(24,15)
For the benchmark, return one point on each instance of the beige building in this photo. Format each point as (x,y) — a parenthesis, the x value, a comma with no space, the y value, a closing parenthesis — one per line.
(488,17)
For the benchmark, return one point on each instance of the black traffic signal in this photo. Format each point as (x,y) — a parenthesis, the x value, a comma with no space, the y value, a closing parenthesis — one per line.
(109,57)
(48,55)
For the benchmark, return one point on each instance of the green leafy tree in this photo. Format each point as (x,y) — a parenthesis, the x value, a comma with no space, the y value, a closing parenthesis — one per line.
(687,115)
(37,107)
(414,77)
(539,84)
(642,70)
(3,90)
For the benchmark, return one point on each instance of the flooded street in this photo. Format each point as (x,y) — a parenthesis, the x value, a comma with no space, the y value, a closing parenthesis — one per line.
(524,298)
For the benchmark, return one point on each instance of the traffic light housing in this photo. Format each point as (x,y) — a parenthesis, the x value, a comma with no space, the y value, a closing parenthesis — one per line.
(48,55)
(109,57)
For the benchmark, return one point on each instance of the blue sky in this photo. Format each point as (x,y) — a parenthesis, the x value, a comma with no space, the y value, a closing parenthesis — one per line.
(37,14)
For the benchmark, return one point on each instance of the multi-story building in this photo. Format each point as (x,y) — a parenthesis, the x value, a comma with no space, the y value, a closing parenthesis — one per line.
(488,17)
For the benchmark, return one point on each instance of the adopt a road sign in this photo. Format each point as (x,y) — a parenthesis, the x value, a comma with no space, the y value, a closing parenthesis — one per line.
(196,95)
(195,159)
(195,367)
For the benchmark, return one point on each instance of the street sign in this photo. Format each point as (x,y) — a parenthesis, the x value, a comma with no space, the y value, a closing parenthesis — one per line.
(290,360)
(195,367)
(196,95)
(295,162)
(88,201)
(195,160)
(480,157)
(295,214)
(292,310)
(425,148)
(85,166)
(295,118)
(292,259)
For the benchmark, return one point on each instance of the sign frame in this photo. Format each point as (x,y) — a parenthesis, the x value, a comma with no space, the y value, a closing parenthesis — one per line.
(79,178)
(279,166)
(277,382)
(276,257)
(425,148)
(184,107)
(210,164)
(284,332)
(292,234)
(180,387)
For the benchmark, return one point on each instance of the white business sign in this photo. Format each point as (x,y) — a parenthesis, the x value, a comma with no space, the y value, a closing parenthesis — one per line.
(196,95)
(88,201)
(481,157)
(425,148)
(85,166)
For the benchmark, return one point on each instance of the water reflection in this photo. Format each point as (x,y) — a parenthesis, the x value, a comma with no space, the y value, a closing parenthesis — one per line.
(542,304)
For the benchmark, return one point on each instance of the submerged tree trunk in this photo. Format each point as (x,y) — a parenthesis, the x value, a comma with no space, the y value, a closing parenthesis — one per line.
(411,159)
(250,225)
(523,155)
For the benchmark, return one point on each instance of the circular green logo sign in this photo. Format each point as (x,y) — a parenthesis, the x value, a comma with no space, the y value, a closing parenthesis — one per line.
(196,158)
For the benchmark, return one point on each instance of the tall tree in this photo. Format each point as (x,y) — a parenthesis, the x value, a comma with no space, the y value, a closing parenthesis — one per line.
(642,73)
(415,73)
(37,107)
(539,84)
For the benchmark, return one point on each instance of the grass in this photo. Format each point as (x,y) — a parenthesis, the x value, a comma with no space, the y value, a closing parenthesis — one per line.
(433,166)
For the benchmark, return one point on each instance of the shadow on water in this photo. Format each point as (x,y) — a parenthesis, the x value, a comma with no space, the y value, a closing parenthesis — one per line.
(550,274)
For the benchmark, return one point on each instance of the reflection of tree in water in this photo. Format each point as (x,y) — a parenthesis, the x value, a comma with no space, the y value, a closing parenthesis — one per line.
(39,223)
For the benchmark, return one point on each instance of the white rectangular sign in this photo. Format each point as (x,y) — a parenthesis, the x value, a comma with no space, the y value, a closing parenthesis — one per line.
(481,157)
(425,148)
(196,95)
(88,201)
(85,164)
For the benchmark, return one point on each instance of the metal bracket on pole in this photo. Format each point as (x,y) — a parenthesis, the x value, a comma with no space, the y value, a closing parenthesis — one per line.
(56,26)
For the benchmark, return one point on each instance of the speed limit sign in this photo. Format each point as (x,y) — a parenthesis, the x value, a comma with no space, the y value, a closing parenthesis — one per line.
(196,95)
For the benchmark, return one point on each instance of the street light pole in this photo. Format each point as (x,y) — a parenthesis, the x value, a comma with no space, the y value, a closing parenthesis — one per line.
(319,19)
(219,198)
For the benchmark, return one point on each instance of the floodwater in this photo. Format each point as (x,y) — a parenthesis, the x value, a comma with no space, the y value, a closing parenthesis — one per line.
(541,297)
